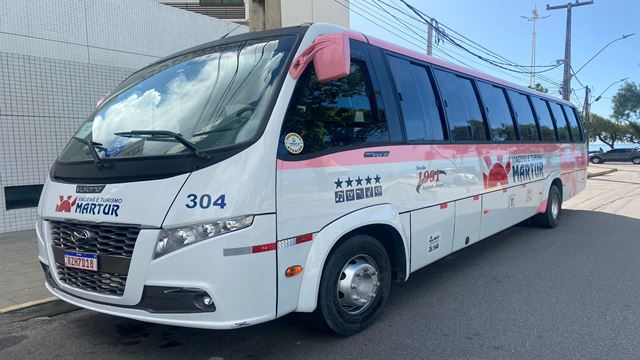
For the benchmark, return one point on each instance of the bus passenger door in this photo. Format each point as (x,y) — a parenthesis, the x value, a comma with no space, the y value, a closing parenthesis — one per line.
(431,234)
(467,222)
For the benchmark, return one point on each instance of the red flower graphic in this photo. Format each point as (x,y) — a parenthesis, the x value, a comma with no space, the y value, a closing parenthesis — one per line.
(498,172)
(67,204)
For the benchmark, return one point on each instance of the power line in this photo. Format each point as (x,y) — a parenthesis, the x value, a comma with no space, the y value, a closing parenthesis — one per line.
(523,69)
(415,41)
(504,61)
(409,26)
(415,38)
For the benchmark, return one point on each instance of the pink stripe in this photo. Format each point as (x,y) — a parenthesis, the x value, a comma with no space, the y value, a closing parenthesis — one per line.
(407,153)
(543,206)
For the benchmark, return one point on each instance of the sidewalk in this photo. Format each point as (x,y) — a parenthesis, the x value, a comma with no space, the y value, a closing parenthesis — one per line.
(21,277)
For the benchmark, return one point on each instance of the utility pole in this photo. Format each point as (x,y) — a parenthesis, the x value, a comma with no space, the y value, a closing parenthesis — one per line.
(430,40)
(587,112)
(433,27)
(566,79)
(264,14)
(534,17)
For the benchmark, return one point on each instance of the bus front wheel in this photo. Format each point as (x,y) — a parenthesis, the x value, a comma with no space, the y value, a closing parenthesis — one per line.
(551,216)
(355,285)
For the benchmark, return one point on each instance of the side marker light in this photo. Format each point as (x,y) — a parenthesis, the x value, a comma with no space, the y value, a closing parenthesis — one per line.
(293,271)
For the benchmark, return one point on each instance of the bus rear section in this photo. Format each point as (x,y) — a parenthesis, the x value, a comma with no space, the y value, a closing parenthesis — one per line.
(418,157)
(329,165)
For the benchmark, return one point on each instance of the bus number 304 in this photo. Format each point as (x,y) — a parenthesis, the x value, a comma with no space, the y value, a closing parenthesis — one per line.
(205,201)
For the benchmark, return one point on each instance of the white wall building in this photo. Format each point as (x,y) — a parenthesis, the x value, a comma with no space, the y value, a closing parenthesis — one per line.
(57,57)
(294,12)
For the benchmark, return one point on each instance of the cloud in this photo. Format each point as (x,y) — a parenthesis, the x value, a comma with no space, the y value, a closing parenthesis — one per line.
(176,98)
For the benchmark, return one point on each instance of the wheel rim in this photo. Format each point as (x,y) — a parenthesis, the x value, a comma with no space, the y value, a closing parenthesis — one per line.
(358,284)
(636,161)
(595,160)
(555,206)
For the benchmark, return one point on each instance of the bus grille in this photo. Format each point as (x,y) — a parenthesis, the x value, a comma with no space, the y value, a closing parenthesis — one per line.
(106,239)
(98,282)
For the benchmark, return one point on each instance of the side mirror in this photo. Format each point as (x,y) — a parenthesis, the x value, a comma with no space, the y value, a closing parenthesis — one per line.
(331,57)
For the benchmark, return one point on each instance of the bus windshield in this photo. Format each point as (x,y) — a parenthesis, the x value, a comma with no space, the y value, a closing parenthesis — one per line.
(212,98)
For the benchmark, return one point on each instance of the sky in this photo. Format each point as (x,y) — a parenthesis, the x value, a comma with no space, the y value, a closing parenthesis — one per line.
(498,26)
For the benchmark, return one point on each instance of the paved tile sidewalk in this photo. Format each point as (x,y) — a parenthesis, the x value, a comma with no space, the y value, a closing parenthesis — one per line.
(21,277)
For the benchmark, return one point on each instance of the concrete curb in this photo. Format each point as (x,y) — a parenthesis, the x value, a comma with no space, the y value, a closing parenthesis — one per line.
(605,172)
(35,309)
(29,304)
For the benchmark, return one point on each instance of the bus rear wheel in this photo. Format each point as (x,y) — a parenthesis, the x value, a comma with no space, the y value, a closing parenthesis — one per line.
(355,285)
(550,218)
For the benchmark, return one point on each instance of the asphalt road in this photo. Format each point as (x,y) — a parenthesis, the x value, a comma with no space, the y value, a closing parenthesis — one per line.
(526,293)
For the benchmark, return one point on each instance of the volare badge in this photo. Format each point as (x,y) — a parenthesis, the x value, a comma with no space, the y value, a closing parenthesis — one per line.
(294,143)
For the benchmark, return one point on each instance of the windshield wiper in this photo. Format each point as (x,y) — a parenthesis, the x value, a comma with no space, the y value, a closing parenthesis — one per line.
(92,149)
(165,134)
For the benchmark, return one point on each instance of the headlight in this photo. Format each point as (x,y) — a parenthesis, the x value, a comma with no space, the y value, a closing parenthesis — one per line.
(174,239)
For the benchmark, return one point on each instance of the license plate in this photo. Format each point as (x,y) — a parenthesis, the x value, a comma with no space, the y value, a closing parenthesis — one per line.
(81,261)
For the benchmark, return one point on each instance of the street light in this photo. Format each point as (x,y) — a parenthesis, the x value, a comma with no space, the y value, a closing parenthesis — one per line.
(608,87)
(601,50)
(587,106)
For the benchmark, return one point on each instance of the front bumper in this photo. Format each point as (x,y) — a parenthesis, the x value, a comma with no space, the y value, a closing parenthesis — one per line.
(242,285)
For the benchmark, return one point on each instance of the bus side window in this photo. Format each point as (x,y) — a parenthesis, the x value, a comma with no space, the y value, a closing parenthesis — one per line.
(561,122)
(547,128)
(526,122)
(334,114)
(418,101)
(461,106)
(574,125)
(498,114)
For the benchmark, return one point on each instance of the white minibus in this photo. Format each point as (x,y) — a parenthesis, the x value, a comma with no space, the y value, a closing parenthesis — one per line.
(302,169)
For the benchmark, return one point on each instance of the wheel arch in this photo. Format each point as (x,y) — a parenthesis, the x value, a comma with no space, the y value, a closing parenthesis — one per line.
(382,222)
(553,179)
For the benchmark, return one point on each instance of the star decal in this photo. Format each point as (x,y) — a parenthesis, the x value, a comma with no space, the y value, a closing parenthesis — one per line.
(349,182)
(377,179)
(358,181)
(338,184)
(368,180)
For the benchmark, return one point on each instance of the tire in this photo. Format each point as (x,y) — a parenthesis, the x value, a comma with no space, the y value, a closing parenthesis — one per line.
(636,160)
(360,261)
(550,218)
(596,160)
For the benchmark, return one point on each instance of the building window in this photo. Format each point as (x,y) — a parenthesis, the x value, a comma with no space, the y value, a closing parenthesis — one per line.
(20,197)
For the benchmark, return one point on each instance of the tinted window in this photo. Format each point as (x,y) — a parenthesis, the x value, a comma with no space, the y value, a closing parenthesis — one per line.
(461,106)
(561,123)
(498,113)
(573,123)
(417,99)
(547,129)
(334,114)
(524,115)
(18,197)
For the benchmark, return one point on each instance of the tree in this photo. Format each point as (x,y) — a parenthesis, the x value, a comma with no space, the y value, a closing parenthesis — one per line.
(539,87)
(626,107)
(607,131)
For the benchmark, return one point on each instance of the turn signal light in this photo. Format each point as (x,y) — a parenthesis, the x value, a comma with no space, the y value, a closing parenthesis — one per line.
(293,270)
